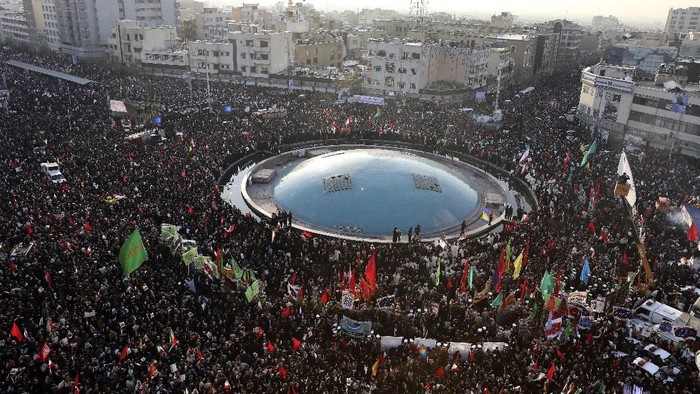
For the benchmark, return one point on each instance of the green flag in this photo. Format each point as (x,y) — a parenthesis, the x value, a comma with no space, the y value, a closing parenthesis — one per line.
(168,231)
(547,284)
(200,261)
(189,256)
(508,255)
(568,330)
(378,114)
(437,274)
(471,278)
(252,291)
(237,271)
(133,253)
(498,301)
(591,150)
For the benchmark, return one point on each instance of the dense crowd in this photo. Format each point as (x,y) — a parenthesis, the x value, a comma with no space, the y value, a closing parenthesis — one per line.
(171,328)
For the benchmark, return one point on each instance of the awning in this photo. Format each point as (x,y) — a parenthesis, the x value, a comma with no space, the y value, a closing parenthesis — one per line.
(51,73)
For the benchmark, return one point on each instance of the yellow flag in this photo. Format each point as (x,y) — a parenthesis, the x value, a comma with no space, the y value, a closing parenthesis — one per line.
(375,367)
(518,263)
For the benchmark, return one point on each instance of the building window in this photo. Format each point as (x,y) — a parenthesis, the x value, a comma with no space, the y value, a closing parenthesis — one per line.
(263,44)
(389,67)
(308,61)
(263,70)
(389,82)
(263,56)
(242,55)
(315,60)
(252,69)
(243,68)
(413,71)
(249,43)
(413,86)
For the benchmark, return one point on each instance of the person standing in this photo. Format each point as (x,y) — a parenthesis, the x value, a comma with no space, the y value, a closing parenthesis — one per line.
(410,234)
(464,227)
(417,231)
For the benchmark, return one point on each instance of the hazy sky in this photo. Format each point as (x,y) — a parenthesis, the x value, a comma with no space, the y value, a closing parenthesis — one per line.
(628,11)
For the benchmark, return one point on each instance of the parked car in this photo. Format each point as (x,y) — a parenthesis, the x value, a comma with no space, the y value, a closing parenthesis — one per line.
(53,171)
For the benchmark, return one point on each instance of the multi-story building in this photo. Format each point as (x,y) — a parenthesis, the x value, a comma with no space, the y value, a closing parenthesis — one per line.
(83,27)
(128,40)
(13,26)
(569,40)
(682,20)
(211,24)
(690,46)
(319,53)
(500,64)
(393,27)
(261,53)
(248,12)
(398,67)
(605,23)
(212,57)
(523,49)
(546,53)
(664,113)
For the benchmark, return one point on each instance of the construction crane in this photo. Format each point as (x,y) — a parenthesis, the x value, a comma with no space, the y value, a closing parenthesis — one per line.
(626,190)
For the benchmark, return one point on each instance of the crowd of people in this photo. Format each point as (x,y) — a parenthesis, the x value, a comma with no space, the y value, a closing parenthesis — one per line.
(83,326)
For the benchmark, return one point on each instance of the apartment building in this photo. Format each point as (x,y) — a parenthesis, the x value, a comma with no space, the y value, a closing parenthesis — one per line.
(682,20)
(260,53)
(523,49)
(212,57)
(128,40)
(319,53)
(399,67)
(83,27)
(664,113)
(13,27)
(211,24)
(690,46)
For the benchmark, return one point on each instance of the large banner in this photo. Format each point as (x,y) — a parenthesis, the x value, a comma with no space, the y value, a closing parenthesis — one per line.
(367,100)
(679,102)
(354,328)
(624,168)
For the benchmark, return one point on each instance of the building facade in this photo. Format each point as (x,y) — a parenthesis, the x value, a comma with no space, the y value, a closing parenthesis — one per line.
(664,113)
(211,24)
(395,67)
(682,20)
(645,59)
(13,27)
(605,23)
(523,49)
(690,46)
(261,53)
(313,53)
(212,57)
(128,40)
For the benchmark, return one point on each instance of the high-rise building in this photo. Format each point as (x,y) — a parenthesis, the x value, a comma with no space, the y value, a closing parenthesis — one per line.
(682,20)
(605,23)
(83,27)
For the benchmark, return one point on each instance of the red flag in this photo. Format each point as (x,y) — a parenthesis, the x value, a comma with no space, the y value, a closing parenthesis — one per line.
(287,312)
(76,384)
(591,227)
(693,233)
(471,357)
(44,352)
(295,344)
(550,373)
(440,373)
(351,282)
(307,234)
(294,279)
(324,298)
(560,354)
(200,355)
(87,226)
(624,258)
(371,272)
(604,236)
(282,372)
(16,332)
(124,353)
(536,367)
(364,289)
(465,273)
(270,347)
(152,370)
(301,294)
(47,277)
